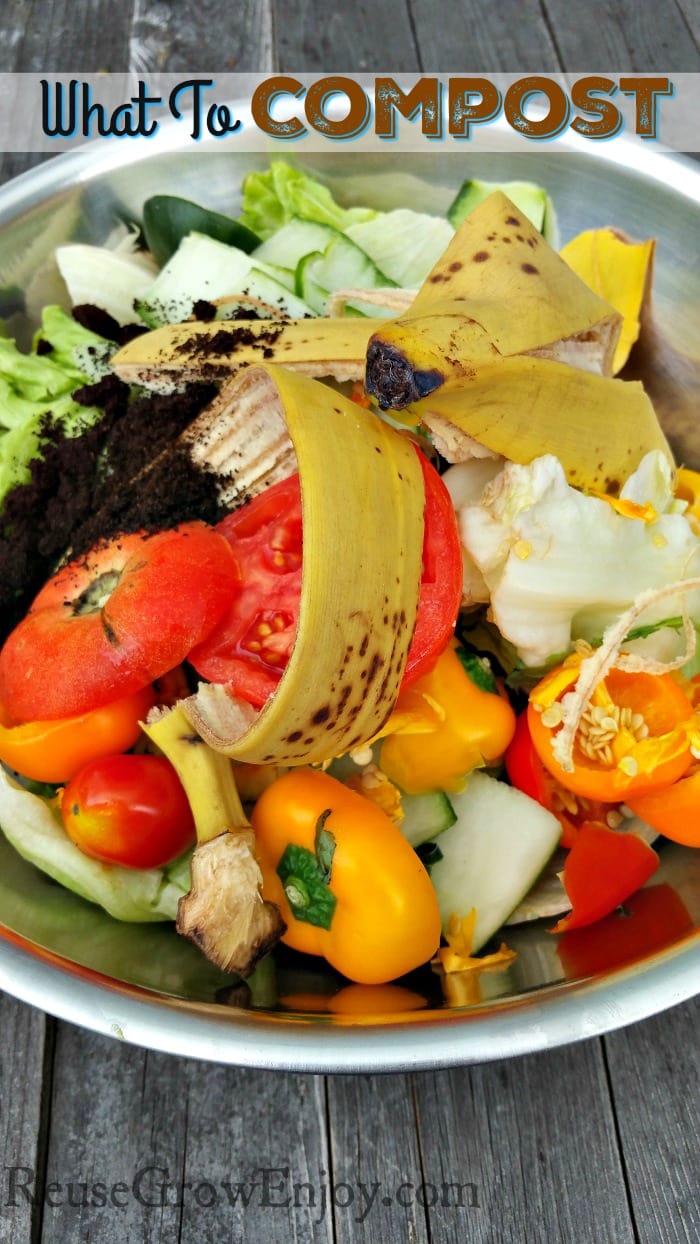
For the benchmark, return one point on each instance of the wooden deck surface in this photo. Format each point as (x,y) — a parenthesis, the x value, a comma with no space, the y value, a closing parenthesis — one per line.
(591,1144)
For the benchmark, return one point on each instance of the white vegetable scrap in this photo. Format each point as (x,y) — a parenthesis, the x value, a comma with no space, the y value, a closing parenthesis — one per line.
(561,565)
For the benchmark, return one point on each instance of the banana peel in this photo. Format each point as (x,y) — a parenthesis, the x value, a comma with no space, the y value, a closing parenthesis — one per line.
(522,407)
(359,597)
(499,289)
(215,350)
(620,270)
(224,912)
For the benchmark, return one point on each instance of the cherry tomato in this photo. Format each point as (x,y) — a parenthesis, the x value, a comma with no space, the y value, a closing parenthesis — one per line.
(54,751)
(252,644)
(113,621)
(129,810)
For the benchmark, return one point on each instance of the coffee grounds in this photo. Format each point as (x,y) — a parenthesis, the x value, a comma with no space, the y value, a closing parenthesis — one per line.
(98,321)
(228,340)
(83,488)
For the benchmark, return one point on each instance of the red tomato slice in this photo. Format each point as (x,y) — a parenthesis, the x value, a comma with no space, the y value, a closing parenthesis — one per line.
(441,583)
(251,645)
(115,620)
(129,810)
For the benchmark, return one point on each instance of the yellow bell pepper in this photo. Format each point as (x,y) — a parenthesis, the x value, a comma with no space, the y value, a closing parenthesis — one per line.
(346,881)
(472,726)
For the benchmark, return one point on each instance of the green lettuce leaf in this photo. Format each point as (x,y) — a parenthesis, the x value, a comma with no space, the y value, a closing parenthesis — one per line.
(272,198)
(36,392)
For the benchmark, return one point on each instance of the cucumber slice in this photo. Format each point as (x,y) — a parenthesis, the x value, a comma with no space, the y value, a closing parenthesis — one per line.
(293,241)
(307,287)
(492,855)
(403,244)
(426,817)
(531,199)
(204,268)
(341,266)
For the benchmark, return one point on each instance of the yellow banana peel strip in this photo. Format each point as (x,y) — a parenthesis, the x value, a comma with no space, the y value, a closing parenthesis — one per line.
(216,349)
(523,407)
(498,287)
(359,593)
(620,271)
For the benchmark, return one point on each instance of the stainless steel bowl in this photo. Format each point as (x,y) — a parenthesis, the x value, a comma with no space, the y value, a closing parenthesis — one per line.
(143,983)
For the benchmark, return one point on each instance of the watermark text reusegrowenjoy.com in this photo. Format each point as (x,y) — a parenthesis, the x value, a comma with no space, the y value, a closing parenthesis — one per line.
(272,1188)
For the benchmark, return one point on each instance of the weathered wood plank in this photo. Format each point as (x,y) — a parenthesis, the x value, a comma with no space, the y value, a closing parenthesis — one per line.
(201,36)
(25,1055)
(523,1150)
(311,35)
(655,1077)
(65,36)
(467,36)
(691,16)
(607,34)
(377,1176)
(148,1147)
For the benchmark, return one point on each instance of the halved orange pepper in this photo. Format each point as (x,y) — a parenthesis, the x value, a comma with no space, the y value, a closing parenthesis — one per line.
(346,881)
(673,811)
(54,751)
(635,764)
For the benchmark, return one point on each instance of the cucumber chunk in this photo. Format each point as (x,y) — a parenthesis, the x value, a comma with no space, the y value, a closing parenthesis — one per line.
(293,241)
(531,199)
(492,855)
(204,268)
(342,265)
(426,817)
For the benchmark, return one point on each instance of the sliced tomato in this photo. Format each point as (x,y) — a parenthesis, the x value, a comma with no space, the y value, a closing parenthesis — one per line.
(252,644)
(441,582)
(54,751)
(114,620)
(129,810)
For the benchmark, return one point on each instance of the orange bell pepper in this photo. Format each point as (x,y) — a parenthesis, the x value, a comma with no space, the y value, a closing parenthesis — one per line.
(648,748)
(673,811)
(346,881)
(54,751)
(602,869)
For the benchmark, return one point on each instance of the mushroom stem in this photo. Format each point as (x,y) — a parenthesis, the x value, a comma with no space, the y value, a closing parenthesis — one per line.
(224,912)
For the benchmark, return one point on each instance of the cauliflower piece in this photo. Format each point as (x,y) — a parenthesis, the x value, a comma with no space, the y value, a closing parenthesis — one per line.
(561,565)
